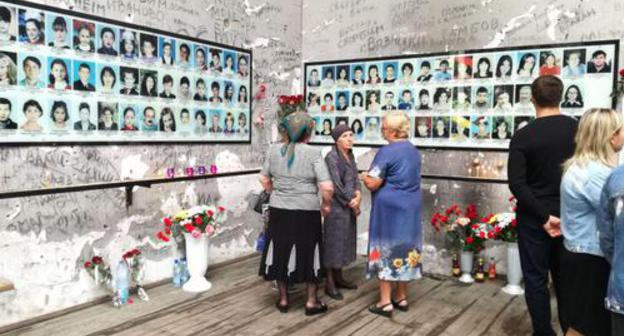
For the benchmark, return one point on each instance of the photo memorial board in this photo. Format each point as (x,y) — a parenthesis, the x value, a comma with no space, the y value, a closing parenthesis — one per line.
(472,99)
(69,77)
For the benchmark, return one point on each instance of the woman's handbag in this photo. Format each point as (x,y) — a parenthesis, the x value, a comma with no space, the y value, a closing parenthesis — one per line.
(263,198)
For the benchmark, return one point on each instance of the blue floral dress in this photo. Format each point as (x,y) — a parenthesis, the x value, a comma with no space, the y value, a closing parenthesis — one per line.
(395,233)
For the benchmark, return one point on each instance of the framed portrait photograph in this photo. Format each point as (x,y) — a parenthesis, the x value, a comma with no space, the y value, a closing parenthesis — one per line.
(458,99)
(73,78)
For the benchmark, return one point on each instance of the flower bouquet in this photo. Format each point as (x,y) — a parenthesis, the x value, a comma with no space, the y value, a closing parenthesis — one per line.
(135,262)
(466,232)
(504,224)
(100,271)
(195,221)
(459,227)
(196,225)
(506,229)
(289,104)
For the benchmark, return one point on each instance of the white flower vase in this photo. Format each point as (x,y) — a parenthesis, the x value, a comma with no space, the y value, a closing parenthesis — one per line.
(514,271)
(197,261)
(466,260)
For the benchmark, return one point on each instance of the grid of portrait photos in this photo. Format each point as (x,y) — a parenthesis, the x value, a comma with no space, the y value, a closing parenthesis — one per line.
(67,78)
(468,99)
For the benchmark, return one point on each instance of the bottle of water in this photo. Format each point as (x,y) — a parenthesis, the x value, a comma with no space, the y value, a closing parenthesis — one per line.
(176,274)
(122,282)
(184,273)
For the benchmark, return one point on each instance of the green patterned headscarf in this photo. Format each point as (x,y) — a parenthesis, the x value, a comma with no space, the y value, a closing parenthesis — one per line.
(297,126)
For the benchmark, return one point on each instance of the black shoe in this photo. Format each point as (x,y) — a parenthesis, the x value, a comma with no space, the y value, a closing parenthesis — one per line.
(381,310)
(346,285)
(320,308)
(335,294)
(396,304)
(283,309)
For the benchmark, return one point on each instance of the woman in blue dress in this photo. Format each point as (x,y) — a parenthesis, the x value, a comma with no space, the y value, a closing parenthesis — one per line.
(395,233)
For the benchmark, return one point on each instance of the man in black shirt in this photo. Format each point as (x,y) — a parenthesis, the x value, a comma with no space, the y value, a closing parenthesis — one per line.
(82,84)
(536,155)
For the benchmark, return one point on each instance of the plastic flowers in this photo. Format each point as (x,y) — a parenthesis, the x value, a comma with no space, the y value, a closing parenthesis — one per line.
(195,221)
(505,225)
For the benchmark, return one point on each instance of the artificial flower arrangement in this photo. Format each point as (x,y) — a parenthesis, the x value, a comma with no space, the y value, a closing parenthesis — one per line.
(505,225)
(290,104)
(195,221)
(463,229)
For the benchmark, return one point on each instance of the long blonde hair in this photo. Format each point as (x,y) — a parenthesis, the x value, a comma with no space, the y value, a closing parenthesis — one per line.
(595,130)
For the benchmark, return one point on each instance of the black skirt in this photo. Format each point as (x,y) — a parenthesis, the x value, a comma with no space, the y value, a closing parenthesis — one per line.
(584,281)
(292,250)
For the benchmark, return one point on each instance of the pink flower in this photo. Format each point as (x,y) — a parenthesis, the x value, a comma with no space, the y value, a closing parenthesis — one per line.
(463,221)
(209,229)
(196,233)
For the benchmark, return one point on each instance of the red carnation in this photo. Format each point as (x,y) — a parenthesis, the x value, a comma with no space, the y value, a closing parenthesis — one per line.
(622,72)
(168,231)
(514,222)
(210,213)
(490,235)
(469,240)
(482,235)
(497,229)
(97,260)
(136,252)
(198,220)
(221,209)
(189,228)
(88,264)
(167,221)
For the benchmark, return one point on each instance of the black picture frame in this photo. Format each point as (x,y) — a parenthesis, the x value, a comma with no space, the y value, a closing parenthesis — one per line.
(48,139)
(503,147)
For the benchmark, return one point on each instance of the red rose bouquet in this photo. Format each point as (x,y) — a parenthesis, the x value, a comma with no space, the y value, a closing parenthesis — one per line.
(99,271)
(290,104)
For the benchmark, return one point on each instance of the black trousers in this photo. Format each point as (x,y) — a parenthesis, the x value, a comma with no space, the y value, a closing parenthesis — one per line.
(539,255)
(617,324)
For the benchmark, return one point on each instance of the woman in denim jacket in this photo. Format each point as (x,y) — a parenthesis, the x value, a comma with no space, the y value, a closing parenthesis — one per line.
(584,269)
(610,226)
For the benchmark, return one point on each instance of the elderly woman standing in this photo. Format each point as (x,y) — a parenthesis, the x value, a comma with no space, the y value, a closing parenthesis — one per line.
(395,233)
(340,227)
(294,172)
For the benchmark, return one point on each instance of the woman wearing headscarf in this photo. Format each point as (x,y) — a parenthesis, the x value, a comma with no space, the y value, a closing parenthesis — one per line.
(395,232)
(294,172)
(340,228)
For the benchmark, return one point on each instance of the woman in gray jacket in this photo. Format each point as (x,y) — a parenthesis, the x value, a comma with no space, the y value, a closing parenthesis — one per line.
(340,229)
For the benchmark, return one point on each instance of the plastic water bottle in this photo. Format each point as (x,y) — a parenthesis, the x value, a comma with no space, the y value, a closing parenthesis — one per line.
(184,273)
(122,282)
(177,274)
